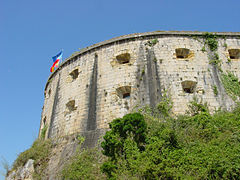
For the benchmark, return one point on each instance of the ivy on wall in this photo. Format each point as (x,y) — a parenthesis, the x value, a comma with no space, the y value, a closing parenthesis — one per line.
(229,80)
(231,85)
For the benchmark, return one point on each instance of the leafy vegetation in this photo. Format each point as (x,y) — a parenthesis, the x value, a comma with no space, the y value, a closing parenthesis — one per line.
(215,90)
(121,128)
(215,59)
(203,49)
(229,80)
(225,45)
(197,145)
(211,41)
(194,146)
(155,145)
(85,164)
(165,106)
(196,107)
(152,144)
(131,127)
(43,132)
(152,42)
(231,84)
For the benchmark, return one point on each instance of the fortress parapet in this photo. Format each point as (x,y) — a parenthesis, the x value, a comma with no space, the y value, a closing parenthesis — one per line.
(109,79)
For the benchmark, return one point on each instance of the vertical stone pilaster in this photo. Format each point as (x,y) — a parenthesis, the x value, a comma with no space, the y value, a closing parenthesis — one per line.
(55,102)
(92,106)
(153,78)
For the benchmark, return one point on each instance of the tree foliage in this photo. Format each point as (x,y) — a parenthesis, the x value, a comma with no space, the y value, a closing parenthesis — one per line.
(193,146)
(130,127)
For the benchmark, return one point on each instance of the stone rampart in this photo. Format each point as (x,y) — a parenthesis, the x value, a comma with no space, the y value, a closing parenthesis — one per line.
(110,79)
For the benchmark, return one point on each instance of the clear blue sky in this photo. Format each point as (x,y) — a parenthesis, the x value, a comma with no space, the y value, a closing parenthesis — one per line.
(32,31)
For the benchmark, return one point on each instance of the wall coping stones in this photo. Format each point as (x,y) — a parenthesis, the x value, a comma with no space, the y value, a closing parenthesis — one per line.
(133,37)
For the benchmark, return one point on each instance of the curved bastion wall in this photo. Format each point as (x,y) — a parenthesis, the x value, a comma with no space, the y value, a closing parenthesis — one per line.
(110,79)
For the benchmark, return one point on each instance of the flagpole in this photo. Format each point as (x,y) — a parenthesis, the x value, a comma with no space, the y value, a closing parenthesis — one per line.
(62,57)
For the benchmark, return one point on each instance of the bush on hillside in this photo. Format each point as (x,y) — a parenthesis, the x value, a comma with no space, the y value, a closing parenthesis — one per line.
(85,164)
(197,145)
(194,146)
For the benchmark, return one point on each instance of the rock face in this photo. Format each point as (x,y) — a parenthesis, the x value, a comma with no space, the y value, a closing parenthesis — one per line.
(22,173)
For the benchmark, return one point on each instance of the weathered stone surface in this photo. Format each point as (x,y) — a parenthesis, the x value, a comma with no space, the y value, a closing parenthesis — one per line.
(23,173)
(65,147)
(147,63)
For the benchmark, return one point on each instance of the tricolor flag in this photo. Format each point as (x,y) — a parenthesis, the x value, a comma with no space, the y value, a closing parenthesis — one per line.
(56,60)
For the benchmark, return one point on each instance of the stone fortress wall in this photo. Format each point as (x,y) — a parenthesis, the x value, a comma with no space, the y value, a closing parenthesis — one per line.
(110,79)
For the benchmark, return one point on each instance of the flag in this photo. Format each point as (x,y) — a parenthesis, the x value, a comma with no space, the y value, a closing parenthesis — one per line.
(56,60)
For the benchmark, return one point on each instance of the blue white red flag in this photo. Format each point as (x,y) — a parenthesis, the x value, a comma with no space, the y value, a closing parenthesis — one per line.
(56,60)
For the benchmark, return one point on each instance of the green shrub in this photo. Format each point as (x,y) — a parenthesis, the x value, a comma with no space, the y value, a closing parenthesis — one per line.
(196,145)
(196,107)
(193,146)
(164,106)
(130,126)
(85,164)
(121,128)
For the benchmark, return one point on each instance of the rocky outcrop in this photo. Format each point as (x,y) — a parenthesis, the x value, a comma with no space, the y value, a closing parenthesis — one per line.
(22,173)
